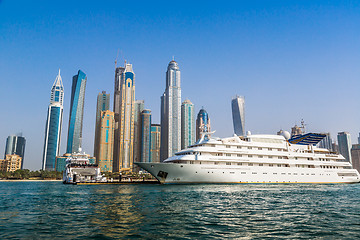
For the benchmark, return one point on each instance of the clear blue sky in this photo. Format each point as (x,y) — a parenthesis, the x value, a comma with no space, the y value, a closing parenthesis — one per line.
(290,59)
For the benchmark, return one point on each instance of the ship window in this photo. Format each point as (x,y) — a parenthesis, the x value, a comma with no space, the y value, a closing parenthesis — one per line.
(228,163)
(283,173)
(228,154)
(270,149)
(216,163)
(250,156)
(279,157)
(270,156)
(239,147)
(239,155)
(260,156)
(275,173)
(232,172)
(264,172)
(227,146)
(260,164)
(260,148)
(279,165)
(219,154)
(239,164)
(279,149)
(243,172)
(271,165)
(250,164)
(295,174)
(295,158)
(249,147)
(254,172)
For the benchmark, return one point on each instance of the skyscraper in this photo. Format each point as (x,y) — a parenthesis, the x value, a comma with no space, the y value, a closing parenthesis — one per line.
(202,124)
(106,141)
(53,125)
(238,114)
(139,107)
(344,141)
(76,112)
(15,144)
(145,135)
(155,143)
(103,102)
(124,118)
(326,142)
(171,113)
(187,124)
(355,156)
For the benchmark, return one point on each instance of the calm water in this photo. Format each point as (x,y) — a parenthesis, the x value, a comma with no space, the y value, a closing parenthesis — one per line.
(51,210)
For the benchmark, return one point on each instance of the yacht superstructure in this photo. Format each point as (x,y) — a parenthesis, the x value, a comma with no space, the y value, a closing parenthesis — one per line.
(253,159)
(79,170)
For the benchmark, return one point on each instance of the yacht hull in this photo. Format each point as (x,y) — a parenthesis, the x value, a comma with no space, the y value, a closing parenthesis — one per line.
(168,173)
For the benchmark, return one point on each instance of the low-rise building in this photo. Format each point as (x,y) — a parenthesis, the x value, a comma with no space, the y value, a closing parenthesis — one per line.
(11,163)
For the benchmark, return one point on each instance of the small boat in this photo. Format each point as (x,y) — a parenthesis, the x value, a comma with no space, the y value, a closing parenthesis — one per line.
(78,169)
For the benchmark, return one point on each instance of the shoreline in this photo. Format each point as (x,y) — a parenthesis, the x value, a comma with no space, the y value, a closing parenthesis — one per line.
(30,180)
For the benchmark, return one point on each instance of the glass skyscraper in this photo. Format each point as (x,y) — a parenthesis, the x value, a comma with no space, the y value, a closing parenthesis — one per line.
(187,124)
(53,125)
(238,114)
(344,140)
(76,112)
(202,124)
(171,113)
(139,107)
(15,144)
(145,135)
(103,104)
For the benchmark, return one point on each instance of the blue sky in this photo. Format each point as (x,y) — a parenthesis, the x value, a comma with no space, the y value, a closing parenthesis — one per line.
(290,59)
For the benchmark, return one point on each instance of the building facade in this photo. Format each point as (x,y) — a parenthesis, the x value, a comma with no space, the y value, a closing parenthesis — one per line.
(124,119)
(171,113)
(106,141)
(11,163)
(187,124)
(53,125)
(15,144)
(344,142)
(326,142)
(145,135)
(139,107)
(155,143)
(103,104)
(355,156)
(202,124)
(76,112)
(238,114)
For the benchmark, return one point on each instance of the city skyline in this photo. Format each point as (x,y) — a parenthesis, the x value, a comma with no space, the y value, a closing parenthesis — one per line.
(274,49)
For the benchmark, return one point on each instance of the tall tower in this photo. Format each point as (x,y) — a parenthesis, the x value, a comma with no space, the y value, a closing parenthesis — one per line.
(15,144)
(106,141)
(53,125)
(187,124)
(171,113)
(155,143)
(202,124)
(103,103)
(344,140)
(76,112)
(238,114)
(139,107)
(124,118)
(145,135)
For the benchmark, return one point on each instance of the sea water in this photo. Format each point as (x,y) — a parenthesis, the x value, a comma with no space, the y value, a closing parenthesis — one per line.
(51,210)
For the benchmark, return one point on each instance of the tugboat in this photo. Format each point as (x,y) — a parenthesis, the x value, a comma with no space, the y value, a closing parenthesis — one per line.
(78,169)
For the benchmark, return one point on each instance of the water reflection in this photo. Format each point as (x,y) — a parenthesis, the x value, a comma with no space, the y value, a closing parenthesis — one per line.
(57,211)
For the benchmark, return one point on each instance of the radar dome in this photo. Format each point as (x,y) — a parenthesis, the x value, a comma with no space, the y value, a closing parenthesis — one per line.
(286,135)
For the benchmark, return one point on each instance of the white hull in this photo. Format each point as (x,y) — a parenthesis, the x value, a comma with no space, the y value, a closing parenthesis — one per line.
(203,173)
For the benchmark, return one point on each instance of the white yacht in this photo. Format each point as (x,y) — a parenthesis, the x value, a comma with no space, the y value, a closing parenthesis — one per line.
(79,170)
(255,159)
